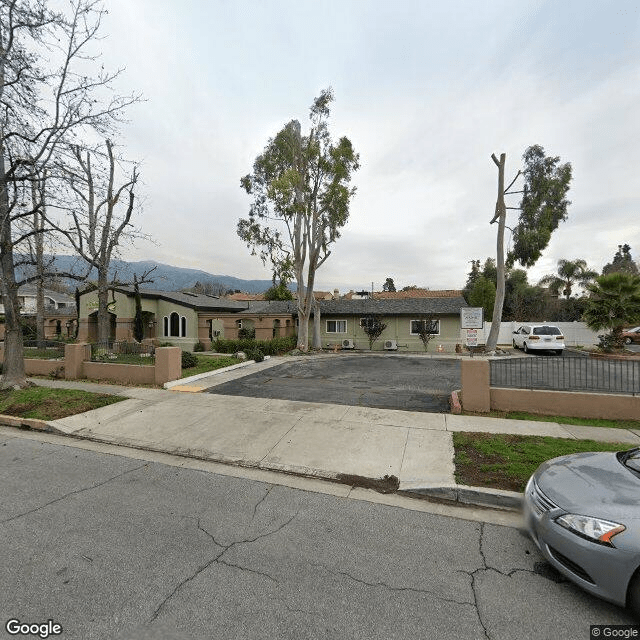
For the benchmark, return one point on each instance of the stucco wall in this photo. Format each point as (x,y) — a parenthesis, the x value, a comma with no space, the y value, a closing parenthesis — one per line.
(128,373)
(398,328)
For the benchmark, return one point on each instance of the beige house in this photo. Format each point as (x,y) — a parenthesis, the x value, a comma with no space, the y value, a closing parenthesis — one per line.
(186,318)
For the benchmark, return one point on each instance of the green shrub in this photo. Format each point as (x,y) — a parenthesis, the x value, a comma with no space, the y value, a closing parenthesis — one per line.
(198,346)
(256,355)
(247,334)
(189,360)
(267,347)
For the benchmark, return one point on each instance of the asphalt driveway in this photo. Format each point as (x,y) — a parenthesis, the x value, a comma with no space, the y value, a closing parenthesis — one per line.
(412,383)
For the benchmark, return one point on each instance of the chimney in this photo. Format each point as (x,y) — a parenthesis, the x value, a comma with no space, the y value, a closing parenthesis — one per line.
(336,294)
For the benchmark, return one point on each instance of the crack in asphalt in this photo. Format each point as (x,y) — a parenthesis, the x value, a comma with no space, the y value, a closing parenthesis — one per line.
(264,497)
(218,559)
(73,493)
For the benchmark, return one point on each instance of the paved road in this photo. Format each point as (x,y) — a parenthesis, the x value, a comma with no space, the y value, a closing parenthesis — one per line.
(113,547)
(385,382)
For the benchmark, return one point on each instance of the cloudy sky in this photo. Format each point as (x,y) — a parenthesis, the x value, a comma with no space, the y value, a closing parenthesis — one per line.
(426,92)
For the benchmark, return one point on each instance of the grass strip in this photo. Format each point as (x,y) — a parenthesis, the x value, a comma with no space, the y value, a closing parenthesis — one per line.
(209,363)
(587,422)
(43,403)
(507,461)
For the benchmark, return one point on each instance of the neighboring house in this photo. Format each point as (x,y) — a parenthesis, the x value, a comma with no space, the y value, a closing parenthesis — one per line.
(59,311)
(186,318)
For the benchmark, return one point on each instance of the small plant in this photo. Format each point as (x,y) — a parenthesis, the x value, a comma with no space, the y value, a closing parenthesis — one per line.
(57,373)
(246,334)
(255,355)
(198,346)
(189,360)
(373,325)
(426,328)
(610,342)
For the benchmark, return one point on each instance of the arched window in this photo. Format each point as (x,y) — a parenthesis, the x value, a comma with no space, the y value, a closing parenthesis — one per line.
(165,326)
(183,326)
(175,325)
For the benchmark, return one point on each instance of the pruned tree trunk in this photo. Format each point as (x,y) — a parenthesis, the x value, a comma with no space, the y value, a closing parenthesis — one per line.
(104,319)
(499,217)
(38,227)
(317,340)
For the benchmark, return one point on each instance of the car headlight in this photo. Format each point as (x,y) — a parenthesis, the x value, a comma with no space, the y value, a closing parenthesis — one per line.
(594,529)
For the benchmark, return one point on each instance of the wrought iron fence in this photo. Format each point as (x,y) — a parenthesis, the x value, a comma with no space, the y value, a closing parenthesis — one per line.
(122,352)
(44,349)
(568,374)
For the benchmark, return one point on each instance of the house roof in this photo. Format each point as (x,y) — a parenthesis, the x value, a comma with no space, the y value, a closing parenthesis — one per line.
(394,307)
(416,293)
(196,301)
(245,296)
(401,307)
(31,290)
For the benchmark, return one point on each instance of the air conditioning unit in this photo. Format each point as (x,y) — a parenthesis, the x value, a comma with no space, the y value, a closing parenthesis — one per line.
(391,345)
(348,344)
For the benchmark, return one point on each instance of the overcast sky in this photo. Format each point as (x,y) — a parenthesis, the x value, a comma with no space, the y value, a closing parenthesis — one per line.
(426,92)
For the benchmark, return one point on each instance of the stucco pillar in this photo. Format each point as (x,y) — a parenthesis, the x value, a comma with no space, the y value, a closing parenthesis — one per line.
(168,364)
(74,356)
(475,377)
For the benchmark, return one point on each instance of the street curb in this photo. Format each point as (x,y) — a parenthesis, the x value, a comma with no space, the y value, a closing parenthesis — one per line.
(461,494)
(25,423)
(207,374)
(477,496)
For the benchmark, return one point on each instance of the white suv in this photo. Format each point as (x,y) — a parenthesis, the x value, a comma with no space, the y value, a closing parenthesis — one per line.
(538,337)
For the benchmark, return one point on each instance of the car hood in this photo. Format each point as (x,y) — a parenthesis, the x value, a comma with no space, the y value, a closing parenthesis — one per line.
(595,484)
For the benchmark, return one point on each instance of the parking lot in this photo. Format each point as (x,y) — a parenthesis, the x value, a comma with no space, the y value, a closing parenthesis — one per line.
(412,383)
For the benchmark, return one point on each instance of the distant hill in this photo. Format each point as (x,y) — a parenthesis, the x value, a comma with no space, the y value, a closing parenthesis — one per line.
(165,277)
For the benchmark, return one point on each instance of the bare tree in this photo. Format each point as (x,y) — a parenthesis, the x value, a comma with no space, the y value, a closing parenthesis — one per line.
(46,98)
(373,325)
(99,224)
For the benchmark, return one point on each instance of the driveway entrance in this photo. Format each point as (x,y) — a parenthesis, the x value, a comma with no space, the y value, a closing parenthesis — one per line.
(412,383)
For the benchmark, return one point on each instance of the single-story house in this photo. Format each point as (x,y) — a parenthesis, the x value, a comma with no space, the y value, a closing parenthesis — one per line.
(186,318)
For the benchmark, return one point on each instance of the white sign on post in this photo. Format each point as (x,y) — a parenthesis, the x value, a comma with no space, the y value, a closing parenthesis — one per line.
(471,318)
(472,337)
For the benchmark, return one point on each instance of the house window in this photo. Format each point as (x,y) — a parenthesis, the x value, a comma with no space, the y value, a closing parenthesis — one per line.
(183,326)
(165,326)
(434,328)
(367,322)
(336,326)
(174,322)
(239,324)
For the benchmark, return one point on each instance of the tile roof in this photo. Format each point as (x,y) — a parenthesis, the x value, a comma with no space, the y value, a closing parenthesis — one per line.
(417,293)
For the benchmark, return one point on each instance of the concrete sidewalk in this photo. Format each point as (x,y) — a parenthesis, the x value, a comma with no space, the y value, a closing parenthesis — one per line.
(319,440)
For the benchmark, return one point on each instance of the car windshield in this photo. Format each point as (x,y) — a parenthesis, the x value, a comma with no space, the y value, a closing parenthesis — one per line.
(631,459)
(546,331)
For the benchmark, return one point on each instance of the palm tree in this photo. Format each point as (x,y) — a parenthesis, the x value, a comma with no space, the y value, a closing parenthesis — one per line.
(569,273)
(614,303)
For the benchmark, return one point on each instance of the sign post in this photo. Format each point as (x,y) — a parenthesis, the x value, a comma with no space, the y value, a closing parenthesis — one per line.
(471,319)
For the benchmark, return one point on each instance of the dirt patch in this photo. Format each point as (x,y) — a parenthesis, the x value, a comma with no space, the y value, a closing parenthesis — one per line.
(387,484)
(476,469)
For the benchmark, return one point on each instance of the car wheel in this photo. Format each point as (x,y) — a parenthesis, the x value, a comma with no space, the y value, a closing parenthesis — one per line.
(633,595)
(627,340)
(525,348)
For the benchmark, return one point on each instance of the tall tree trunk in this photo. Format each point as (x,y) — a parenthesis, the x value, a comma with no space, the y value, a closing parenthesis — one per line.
(303,312)
(13,375)
(38,220)
(104,321)
(317,340)
(499,217)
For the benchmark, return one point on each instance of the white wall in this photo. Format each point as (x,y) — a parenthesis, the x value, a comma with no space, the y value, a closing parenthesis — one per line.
(575,333)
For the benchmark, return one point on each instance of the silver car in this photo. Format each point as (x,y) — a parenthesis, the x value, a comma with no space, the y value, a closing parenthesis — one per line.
(583,513)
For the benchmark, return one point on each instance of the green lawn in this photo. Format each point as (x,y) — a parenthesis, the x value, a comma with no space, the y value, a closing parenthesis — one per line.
(507,461)
(43,354)
(50,404)
(587,422)
(209,363)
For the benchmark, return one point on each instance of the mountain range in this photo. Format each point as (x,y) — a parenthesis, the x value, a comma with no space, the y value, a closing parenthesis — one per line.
(165,277)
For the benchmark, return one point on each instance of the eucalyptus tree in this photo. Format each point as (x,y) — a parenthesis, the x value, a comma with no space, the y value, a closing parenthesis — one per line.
(51,92)
(542,207)
(301,192)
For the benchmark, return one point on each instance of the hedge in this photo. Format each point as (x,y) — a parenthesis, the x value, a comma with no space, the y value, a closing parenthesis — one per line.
(267,347)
